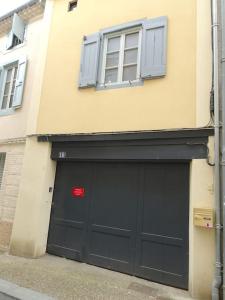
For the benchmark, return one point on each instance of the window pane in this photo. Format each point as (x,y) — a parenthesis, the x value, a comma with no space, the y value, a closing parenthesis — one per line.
(130,56)
(113,44)
(129,73)
(4,102)
(13,87)
(111,75)
(9,74)
(112,59)
(131,40)
(11,101)
(7,86)
(15,72)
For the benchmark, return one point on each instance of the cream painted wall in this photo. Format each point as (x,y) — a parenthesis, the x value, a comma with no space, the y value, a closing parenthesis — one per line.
(161,103)
(30,229)
(14,125)
(40,68)
(201,241)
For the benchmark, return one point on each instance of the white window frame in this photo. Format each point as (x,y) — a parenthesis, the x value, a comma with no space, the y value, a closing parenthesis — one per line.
(121,34)
(3,84)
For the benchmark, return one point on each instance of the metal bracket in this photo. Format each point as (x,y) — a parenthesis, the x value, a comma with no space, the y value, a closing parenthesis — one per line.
(219,226)
(215,25)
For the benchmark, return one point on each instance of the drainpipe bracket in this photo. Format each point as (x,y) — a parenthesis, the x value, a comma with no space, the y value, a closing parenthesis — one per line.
(218,265)
(219,226)
(215,25)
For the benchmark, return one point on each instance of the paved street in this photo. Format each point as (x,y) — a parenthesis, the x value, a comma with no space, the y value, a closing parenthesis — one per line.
(60,278)
(5,297)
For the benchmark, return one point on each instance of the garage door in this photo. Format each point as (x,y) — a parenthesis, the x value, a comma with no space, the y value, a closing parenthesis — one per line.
(128,217)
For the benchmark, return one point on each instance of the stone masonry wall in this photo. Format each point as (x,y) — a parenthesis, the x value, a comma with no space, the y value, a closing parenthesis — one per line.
(10,188)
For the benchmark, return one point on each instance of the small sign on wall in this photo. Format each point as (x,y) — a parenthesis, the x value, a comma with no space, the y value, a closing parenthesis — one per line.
(78,192)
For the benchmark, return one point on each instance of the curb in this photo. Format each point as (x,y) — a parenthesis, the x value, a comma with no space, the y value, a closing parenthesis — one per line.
(19,293)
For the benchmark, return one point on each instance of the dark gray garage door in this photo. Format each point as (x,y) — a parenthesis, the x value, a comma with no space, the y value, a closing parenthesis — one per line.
(129,217)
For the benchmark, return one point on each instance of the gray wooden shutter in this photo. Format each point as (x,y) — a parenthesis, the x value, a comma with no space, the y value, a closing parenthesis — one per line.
(154,48)
(20,79)
(18,30)
(9,43)
(89,61)
(2,163)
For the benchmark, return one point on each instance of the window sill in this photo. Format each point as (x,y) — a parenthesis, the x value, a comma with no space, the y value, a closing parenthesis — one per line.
(14,48)
(6,112)
(119,85)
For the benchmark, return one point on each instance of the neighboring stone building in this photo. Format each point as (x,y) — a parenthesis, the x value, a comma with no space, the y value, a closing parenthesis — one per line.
(23,33)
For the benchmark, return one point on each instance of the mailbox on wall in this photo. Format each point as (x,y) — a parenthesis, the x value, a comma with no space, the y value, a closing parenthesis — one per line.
(204,217)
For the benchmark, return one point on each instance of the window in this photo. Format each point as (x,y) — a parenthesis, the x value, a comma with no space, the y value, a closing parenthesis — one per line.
(16,35)
(2,164)
(15,41)
(12,77)
(124,55)
(9,86)
(72,5)
(121,57)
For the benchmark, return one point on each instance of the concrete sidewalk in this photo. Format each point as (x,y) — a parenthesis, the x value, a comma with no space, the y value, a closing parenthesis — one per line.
(10,291)
(60,278)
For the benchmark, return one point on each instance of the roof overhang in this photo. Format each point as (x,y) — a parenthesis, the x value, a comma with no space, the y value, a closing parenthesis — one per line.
(27,11)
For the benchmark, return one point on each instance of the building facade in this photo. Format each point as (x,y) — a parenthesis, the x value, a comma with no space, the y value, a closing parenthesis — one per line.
(20,72)
(117,170)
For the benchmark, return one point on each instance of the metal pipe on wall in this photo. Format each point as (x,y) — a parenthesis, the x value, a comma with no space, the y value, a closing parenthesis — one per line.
(222,9)
(218,274)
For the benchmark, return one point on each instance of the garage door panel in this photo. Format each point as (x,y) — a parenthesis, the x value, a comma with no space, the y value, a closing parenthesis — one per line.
(162,240)
(68,223)
(162,257)
(163,190)
(110,263)
(160,277)
(65,252)
(111,233)
(110,246)
(115,189)
(66,206)
(60,241)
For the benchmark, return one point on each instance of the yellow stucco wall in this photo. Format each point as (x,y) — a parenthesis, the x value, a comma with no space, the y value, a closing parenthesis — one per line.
(66,109)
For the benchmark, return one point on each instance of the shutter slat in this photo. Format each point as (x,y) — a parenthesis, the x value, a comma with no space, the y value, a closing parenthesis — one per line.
(89,61)
(154,48)
(19,86)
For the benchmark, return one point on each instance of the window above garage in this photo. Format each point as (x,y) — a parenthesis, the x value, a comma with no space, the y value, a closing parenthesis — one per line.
(121,57)
(124,55)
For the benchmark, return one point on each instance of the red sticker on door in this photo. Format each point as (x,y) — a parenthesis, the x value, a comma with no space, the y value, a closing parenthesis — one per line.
(78,191)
